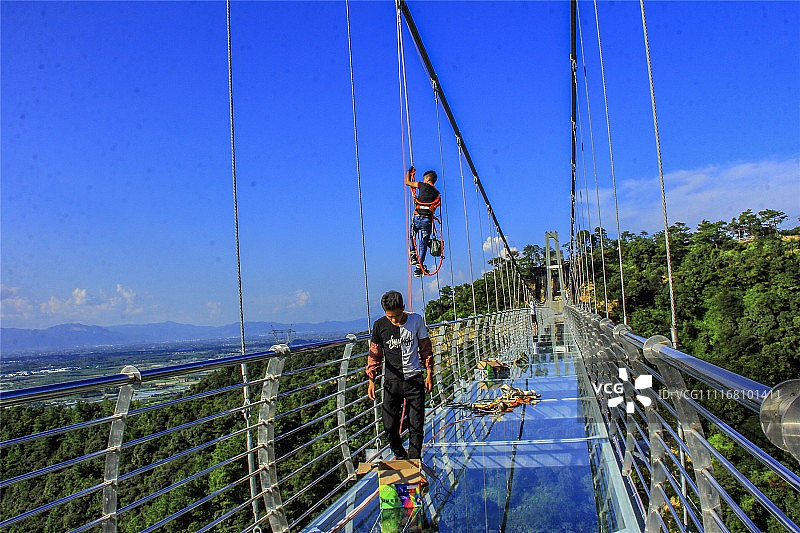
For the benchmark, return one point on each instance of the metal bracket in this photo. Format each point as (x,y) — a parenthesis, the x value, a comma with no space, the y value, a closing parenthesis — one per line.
(266,441)
(690,422)
(340,403)
(114,450)
(780,416)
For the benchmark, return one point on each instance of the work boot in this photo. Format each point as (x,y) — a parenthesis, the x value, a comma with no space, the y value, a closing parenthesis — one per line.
(418,272)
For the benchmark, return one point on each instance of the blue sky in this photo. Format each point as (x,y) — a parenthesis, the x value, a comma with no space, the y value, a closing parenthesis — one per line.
(116,183)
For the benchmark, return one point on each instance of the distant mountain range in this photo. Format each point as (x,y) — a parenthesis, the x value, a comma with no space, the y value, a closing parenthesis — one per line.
(66,336)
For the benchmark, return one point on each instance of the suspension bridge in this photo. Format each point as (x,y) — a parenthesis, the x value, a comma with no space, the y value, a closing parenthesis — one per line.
(272,442)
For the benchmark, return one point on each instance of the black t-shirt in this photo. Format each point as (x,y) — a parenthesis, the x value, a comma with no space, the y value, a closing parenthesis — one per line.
(400,345)
(427,193)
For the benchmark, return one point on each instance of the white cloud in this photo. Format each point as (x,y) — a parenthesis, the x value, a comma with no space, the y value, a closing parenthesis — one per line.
(714,192)
(12,305)
(129,297)
(301,298)
(82,305)
(496,242)
(214,309)
(492,243)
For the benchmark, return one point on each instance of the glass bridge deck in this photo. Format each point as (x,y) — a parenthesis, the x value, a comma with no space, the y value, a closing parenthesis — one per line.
(544,467)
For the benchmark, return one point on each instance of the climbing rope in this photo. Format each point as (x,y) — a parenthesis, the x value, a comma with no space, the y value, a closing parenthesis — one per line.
(466,224)
(358,165)
(673,327)
(246,412)
(613,175)
(401,84)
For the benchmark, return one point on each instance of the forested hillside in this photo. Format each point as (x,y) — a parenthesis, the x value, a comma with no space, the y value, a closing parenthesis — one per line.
(737,290)
(737,294)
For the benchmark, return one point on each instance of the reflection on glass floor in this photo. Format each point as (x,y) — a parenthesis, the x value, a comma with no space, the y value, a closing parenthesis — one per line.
(544,467)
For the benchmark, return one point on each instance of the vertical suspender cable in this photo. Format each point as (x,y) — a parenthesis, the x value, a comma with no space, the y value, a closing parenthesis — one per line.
(613,175)
(251,458)
(594,169)
(588,225)
(494,267)
(508,284)
(448,112)
(400,79)
(444,204)
(466,225)
(574,96)
(483,255)
(358,165)
(502,267)
(673,328)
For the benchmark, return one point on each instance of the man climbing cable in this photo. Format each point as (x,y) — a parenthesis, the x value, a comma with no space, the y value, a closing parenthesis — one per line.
(426,200)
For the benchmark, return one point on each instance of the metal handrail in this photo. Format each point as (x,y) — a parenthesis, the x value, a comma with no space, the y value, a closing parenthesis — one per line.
(708,373)
(69,388)
(460,342)
(606,348)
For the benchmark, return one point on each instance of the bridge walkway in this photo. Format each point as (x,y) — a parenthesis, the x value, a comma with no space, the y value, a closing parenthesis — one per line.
(542,467)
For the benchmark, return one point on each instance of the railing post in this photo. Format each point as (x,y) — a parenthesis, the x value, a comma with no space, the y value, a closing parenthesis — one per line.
(114,450)
(476,333)
(690,422)
(266,440)
(341,416)
(456,351)
(657,476)
(437,363)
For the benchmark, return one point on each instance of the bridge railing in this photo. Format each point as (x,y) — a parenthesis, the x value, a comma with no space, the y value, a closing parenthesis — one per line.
(266,438)
(684,463)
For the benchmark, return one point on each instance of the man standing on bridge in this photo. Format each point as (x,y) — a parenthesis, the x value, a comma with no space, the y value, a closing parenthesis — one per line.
(401,340)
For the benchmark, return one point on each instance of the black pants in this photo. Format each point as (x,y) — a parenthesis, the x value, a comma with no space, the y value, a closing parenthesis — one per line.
(394,392)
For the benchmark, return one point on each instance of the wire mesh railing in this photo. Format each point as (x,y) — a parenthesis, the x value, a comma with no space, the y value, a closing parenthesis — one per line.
(182,464)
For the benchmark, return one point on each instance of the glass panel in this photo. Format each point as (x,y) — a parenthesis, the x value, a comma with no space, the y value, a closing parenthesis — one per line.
(533,469)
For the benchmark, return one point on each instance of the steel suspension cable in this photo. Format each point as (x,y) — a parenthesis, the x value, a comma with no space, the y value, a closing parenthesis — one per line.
(588,219)
(400,79)
(448,112)
(483,255)
(594,169)
(673,328)
(444,190)
(358,164)
(494,269)
(508,284)
(247,413)
(496,254)
(613,175)
(466,226)
(409,194)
